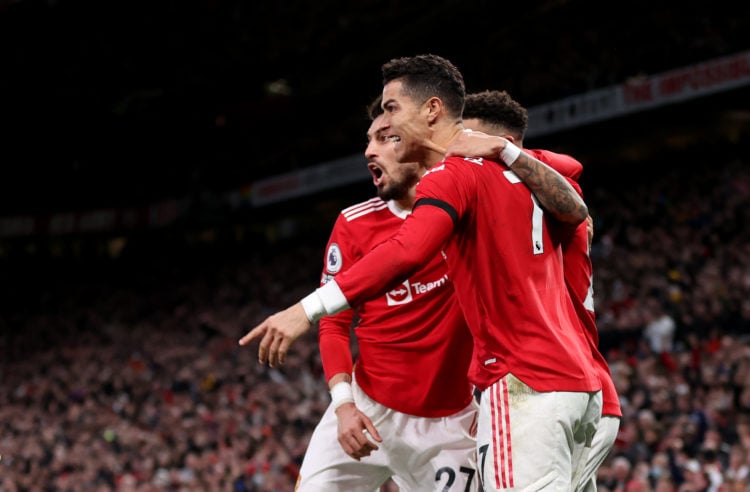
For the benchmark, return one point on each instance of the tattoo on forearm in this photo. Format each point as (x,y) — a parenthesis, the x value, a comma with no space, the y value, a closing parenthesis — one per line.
(554,193)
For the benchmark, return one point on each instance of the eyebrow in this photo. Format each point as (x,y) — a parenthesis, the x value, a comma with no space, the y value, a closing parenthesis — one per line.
(378,131)
(374,134)
(386,103)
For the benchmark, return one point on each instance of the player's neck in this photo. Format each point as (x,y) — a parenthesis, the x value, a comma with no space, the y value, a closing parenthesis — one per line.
(442,135)
(432,158)
(400,207)
(406,202)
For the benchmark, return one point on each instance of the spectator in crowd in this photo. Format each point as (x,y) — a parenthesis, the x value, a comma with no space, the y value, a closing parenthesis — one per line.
(660,328)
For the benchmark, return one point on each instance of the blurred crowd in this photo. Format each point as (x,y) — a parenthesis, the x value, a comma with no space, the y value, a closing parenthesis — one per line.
(128,376)
(143,387)
(672,290)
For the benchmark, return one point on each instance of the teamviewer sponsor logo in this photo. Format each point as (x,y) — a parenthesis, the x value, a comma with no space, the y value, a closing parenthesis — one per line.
(420,288)
(399,295)
(404,293)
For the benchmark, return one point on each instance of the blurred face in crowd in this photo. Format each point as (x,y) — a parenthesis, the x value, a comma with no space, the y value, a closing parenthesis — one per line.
(392,179)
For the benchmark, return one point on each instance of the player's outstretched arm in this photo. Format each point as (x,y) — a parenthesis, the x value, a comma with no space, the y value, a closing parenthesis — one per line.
(279,331)
(552,190)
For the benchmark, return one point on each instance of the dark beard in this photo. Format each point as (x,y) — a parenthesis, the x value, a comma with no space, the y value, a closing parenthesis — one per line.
(397,191)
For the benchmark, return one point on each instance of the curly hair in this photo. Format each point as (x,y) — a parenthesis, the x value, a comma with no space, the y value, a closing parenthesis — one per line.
(498,109)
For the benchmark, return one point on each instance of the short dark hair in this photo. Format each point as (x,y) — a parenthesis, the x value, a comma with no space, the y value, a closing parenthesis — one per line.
(374,109)
(425,76)
(499,109)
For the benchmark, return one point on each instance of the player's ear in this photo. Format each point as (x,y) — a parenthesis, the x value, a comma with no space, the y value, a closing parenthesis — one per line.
(433,106)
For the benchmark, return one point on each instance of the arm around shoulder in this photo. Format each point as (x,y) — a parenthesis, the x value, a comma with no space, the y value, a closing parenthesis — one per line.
(554,192)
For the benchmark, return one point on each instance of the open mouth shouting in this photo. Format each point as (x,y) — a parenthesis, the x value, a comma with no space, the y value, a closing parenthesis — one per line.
(376,172)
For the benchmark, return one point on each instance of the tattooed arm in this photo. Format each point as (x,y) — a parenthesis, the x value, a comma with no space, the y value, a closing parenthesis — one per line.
(555,194)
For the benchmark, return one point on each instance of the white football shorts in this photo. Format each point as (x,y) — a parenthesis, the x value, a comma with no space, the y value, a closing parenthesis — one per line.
(420,454)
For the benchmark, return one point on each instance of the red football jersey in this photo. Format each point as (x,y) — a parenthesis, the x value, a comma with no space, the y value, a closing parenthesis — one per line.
(414,345)
(507,273)
(579,277)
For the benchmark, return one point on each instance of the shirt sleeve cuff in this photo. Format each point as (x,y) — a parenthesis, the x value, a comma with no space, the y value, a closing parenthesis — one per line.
(327,299)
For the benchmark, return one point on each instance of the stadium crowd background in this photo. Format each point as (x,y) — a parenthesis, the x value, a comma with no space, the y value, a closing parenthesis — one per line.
(119,364)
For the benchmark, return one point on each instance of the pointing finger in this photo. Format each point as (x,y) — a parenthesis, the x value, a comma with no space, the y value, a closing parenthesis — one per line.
(253,334)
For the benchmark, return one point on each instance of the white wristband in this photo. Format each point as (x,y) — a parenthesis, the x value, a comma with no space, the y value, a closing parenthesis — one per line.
(341,393)
(313,306)
(509,154)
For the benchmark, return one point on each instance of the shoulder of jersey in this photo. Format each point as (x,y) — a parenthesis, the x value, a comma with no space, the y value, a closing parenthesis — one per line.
(364,208)
(434,169)
(451,159)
